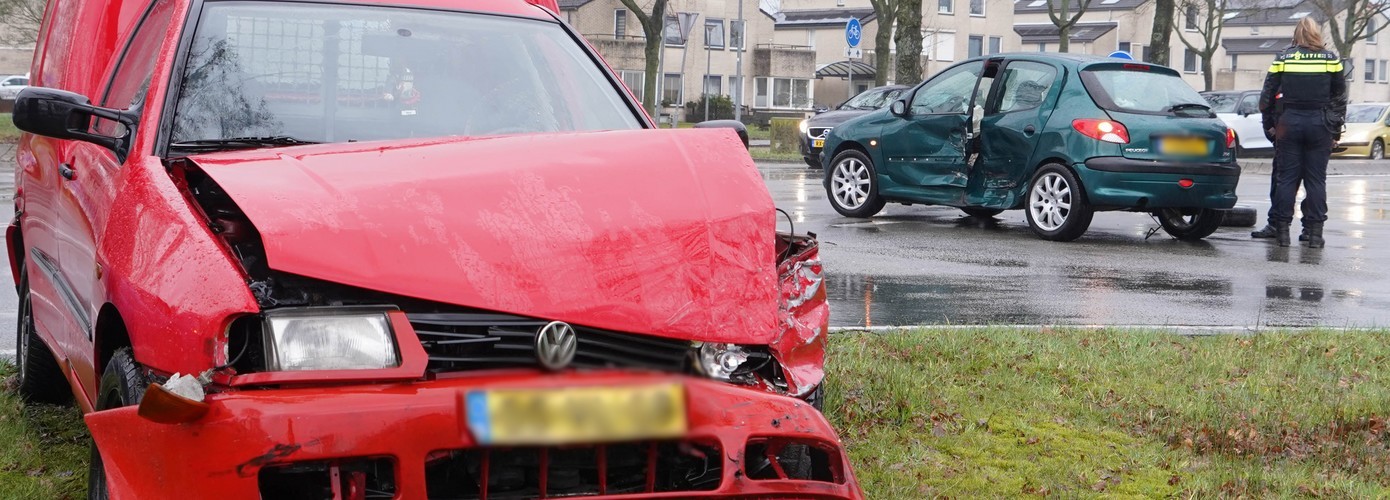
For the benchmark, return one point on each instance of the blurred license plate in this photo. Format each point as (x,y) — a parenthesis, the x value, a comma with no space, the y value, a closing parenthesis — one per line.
(818,143)
(576,414)
(1187,146)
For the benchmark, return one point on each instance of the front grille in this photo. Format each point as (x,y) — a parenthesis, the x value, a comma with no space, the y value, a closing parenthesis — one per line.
(574,471)
(818,132)
(479,341)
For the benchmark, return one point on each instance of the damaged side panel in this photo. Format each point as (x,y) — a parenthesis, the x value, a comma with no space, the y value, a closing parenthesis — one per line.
(805,313)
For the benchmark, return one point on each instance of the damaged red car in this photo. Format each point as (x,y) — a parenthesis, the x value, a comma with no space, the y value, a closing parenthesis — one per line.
(401,249)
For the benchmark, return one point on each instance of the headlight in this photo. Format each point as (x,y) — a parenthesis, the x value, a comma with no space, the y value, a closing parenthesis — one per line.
(320,339)
(729,362)
(805,126)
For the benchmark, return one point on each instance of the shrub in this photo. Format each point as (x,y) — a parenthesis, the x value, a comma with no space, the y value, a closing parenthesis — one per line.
(786,133)
(721,107)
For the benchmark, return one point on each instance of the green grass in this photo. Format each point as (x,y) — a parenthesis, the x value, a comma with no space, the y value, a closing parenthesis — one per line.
(764,153)
(8,133)
(1003,413)
(43,449)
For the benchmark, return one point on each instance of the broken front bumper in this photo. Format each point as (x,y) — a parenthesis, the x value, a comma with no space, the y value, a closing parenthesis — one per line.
(223,454)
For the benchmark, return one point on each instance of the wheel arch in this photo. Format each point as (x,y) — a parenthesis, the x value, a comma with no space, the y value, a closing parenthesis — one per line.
(848,145)
(109,335)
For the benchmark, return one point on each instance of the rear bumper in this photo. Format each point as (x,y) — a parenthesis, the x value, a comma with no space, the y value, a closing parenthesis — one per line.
(222,454)
(1119,183)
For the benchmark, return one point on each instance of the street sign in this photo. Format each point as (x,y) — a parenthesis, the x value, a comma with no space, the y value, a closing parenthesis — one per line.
(854,53)
(1120,54)
(853,32)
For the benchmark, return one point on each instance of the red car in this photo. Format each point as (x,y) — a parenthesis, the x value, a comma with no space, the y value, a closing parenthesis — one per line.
(402,249)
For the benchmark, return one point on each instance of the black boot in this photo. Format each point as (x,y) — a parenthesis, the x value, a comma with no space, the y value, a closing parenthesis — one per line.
(1303,236)
(1267,232)
(1314,232)
(1281,234)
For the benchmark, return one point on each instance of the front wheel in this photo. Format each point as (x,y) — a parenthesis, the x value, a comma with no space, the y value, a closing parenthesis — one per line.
(1057,207)
(1191,226)
(123,384)
(1377,150)
(853,185)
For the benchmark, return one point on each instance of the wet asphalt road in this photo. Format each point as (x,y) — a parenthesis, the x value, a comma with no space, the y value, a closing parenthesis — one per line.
(935,266)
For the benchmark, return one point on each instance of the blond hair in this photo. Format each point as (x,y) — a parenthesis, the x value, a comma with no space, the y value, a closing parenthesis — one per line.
(1308,35)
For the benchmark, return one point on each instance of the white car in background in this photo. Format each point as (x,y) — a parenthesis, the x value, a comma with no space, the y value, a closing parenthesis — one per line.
(1240,109)
(11,85)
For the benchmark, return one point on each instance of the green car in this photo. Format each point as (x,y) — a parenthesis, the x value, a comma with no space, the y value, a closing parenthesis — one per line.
(1061,136)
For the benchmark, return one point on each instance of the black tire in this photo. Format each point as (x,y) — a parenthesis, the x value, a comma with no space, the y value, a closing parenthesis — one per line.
(40,379)
(981,212)
(1377,150)
(1191,226)
(122,384)
(1059,223)
(853,166)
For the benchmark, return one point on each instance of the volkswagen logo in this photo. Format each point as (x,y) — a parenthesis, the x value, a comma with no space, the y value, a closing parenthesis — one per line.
(555,345)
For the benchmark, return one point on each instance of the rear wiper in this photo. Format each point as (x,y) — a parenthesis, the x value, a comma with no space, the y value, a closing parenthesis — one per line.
(1188,105)
(240,143)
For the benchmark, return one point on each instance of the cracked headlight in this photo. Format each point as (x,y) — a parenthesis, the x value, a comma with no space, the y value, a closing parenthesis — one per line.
(730,362)
(328,339)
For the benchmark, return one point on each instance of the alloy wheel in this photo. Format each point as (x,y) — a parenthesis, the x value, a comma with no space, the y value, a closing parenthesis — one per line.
(850,183)
(1377,150)
(1050,201)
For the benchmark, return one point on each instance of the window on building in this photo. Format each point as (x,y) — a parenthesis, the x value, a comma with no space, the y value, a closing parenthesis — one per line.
(619,23)
(940,46)
(671,89)
(995,44)
(977,7)
(736,34)
(1382,71)
(635,81)
(791,93)
(1042,47)
(1189,61)
(714,34)
(1146,54)
(714,85)
(671,32)
(945,6)
(976,47)
(1191,15)
(1234,61)
(1123,46)
(1371,31)
(811,39)
(1370,70)
(736,90)
(1254,30)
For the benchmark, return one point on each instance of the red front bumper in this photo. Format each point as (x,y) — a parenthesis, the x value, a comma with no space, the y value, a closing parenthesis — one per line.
(222,454)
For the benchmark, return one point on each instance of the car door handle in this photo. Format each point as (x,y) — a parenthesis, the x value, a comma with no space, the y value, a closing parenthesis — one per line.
(1029,130)
(66,171)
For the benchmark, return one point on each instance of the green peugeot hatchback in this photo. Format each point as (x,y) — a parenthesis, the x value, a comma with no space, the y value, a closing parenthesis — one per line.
(1061,136)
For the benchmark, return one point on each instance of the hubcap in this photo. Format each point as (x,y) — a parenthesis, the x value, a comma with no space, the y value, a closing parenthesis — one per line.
(1377,151)
(1050,201)
(849,184)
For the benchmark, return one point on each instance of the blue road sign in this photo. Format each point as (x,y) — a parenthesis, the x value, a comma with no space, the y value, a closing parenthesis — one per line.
(1120,54)
(853,32)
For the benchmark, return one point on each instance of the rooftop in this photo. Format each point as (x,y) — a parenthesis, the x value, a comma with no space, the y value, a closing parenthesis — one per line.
(1048,33)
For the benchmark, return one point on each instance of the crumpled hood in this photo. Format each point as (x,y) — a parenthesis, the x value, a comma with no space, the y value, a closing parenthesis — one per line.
(668,233)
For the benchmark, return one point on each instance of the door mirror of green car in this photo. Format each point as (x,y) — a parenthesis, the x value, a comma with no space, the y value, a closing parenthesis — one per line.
(898,108)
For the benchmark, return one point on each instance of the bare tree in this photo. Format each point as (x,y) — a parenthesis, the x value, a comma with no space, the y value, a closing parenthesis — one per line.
(19,21)
(1063,20)
(653,21)
(1203,19)
(885,14)
(1159,42)
(1349,21)
(908,41)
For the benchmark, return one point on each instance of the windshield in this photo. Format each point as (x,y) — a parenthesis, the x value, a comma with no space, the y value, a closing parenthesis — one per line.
(1364,113)
(1222,103)
(334,73)
(1144,91)
(872,99)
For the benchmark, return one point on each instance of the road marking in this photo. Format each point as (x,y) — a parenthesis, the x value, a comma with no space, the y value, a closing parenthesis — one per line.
(1186,330)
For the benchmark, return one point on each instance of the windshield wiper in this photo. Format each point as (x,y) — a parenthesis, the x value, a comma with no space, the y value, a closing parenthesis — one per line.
(1188,105)
(240,143)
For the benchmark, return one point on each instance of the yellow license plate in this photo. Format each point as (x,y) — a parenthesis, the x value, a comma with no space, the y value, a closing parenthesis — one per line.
(818,143)
(1186,146)
(576,414)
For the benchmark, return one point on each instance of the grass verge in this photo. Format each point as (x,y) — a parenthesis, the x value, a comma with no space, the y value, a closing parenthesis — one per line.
(1004,413)
(43,448)
(764,153)
(8,132)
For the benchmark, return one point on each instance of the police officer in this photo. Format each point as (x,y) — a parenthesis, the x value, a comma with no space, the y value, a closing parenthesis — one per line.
(1314,99)
(1268,118)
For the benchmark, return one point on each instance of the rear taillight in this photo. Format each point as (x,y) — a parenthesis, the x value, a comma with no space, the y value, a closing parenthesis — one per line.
(1230,138)
(1102,130)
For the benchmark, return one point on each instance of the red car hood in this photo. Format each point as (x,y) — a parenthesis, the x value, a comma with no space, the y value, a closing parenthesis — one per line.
(668,233)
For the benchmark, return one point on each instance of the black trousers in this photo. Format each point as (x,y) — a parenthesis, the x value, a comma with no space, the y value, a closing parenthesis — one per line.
(1274,186)
(1302,146)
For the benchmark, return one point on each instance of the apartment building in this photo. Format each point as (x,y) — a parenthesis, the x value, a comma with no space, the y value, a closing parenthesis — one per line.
(1254,34)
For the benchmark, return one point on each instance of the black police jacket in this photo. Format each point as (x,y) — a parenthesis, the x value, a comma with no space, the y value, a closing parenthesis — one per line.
(1307,79)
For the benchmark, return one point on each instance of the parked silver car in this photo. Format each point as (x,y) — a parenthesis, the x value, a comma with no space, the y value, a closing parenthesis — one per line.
(11,85)
(1240,109)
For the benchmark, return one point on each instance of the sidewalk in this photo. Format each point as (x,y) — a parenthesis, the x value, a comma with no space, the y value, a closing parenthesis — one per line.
(1264,166)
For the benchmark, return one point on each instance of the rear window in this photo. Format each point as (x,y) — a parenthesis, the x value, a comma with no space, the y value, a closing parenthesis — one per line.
(1138,88)
(1222,103)
(1364,113)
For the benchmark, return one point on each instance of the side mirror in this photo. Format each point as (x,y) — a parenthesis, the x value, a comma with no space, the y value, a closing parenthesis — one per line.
(898,108)
(738,127)
(65,115)
(821,109)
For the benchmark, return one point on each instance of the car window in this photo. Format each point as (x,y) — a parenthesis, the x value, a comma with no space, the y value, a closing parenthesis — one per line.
(1140,88)
(132,78)
(21,81)
(1364,113)
(1249,104)
(1026,85)
(871,99)
(947,92)
(1222,103)
(333,73)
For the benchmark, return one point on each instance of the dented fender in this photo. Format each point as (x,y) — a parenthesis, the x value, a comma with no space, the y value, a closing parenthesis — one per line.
(805,314)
